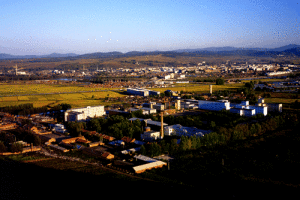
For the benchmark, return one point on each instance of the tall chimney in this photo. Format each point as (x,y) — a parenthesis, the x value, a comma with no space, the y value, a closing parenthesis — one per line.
(210,89)
(162,125)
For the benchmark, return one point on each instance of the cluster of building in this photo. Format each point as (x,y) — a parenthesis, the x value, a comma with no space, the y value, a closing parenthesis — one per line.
(243,109)
(282,86)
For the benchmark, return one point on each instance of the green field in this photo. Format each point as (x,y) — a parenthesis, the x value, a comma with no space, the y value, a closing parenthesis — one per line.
(202,88)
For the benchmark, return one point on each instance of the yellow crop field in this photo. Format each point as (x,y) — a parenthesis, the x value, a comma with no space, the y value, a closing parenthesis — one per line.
(9,98)
(23,98)
(79,99)
(11,89)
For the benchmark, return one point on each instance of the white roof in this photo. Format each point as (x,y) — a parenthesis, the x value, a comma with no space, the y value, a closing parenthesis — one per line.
(145,158)
(148,166)
(149,121)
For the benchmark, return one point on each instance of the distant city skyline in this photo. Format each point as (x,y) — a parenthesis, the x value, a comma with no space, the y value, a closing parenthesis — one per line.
(38,27)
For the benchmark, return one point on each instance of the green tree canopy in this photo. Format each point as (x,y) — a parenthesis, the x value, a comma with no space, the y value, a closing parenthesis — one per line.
(220,81)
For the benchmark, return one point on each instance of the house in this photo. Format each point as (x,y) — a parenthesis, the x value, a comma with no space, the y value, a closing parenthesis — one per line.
(128,140)
(107,137)
(107,155)
(37,131)
(80,139)
(49,138)
(8,126)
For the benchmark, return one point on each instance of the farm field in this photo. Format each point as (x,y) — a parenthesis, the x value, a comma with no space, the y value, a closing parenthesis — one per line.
(75,99)
(204,88)
(30,89)
(79,96)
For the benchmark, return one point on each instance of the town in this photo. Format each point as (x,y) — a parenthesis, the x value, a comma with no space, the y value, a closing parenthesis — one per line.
(113,149)
(162,121)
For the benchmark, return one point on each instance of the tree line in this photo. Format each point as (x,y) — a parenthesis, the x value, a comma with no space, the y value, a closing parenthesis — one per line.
(28,109)
(221,136)
(116,126)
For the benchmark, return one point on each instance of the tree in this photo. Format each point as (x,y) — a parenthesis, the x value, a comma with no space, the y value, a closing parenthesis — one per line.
(31,138)
(143,150)
(138,114)
(154,149)
(173,146)
(94,124)
(185,144)
(220,81)
(212,125)
(2,147)
(16,147)
(76,127)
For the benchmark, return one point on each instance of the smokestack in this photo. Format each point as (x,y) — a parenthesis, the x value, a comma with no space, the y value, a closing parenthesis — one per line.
(210,89)
(162,125)
(177,105)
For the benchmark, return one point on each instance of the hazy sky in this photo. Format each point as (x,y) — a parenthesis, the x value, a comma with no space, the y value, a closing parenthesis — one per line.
(85,26)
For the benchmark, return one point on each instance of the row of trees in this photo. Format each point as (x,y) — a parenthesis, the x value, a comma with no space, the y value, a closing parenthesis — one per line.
(116,126)
(210,120)
(28,109)
(221,136)
(7,140)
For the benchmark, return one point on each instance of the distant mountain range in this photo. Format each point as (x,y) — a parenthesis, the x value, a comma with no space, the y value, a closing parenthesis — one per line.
(291,49)
(53,55)
(228,48)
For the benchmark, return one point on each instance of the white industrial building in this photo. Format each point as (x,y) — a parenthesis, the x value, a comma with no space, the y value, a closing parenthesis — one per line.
(159,106)
(150,135)
(179,130)
(150,163)
(142,92)
(272,107)
(82,114)
(214,105)
(145,110)
(138,91)
(244,109)
(59,128)
(188,105)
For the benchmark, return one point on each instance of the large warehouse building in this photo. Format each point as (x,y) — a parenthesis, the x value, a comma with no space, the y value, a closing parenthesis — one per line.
(214,105)
(82,114)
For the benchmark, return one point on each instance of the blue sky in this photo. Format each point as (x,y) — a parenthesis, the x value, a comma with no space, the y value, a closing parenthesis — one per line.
(76,26)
